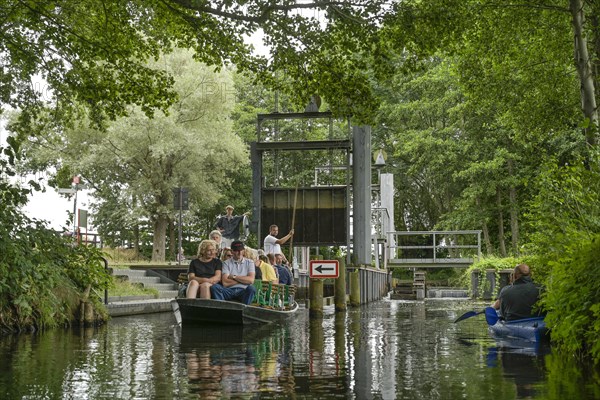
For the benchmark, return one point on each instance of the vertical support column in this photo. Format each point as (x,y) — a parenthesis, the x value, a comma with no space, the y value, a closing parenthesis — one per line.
(361,207)
(256,162)
(340,286)
(478,245)
(434,247)
(354,288)
(386,182)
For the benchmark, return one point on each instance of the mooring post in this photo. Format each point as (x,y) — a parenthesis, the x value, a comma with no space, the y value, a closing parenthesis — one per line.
(340,286)
(315,294)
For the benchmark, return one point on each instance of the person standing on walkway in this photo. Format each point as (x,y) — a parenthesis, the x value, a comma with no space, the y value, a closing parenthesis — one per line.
(238,277)
(204,271)
(229,226)
(272,244)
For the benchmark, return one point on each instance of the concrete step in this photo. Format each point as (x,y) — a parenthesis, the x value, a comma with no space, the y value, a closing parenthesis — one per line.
(131,273)
(139,307)
(161,286)
(167,294)
(115,299)
(147,279)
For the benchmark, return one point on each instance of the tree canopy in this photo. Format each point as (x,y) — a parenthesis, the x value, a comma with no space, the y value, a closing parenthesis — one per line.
(135,162)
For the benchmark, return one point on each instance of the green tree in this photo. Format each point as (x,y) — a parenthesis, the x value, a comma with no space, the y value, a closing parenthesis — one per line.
(135,162)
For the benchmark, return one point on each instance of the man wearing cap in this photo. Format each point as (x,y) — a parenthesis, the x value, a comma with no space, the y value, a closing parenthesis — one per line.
(229,226)
(237,278)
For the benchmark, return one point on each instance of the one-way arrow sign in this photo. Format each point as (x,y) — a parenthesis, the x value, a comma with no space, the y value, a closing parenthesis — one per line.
(324,269)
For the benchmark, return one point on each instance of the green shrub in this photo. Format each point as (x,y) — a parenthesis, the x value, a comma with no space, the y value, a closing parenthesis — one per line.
(43,275)
(496,264)
(565,225)
(573,299)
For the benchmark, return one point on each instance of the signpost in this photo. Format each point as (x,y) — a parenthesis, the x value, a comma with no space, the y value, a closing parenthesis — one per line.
(324,269)
(180,202)
(75,187)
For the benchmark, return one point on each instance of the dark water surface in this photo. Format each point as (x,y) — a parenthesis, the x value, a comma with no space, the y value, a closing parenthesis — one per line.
(385,350)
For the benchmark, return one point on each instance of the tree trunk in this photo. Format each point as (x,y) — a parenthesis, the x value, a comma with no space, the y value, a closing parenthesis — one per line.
(136,231)
(136,239)
(583,64)
(595,21)
(501,244)
(485,230)
(172,239)
(160,234)
(486,238)
(514,215)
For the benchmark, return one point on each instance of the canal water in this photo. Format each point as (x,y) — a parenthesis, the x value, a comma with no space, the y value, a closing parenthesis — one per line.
(389,349)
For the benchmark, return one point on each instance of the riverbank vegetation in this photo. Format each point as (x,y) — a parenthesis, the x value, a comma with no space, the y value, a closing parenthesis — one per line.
(45,280)
(488,115)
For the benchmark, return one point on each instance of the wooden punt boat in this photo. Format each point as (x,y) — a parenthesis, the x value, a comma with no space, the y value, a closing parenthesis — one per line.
(204,311)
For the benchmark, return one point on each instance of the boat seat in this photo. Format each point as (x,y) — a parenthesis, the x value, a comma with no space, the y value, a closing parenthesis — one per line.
(273,295)
(290,294)
(259,295)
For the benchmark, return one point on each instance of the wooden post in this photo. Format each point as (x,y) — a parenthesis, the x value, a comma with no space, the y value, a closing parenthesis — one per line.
(340,287)
(315,294)
(316,298)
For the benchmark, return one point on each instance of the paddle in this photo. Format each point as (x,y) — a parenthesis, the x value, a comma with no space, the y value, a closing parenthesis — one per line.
(468,314)
(491,316)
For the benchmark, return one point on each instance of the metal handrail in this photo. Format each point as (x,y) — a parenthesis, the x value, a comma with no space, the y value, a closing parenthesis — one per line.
(435,246)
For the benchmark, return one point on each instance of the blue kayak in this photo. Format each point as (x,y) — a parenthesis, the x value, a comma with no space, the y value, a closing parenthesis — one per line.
(528,329)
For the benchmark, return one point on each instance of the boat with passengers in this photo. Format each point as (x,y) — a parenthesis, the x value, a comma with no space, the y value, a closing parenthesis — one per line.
(272,303)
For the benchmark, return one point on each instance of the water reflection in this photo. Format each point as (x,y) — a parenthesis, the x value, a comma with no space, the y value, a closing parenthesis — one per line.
(387,350)
(526,369)
(230,361)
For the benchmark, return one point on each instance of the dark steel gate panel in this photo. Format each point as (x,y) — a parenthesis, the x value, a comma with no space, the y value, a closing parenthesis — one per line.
(321,217)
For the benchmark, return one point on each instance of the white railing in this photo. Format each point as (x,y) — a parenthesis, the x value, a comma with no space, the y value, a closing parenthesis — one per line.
(435,248)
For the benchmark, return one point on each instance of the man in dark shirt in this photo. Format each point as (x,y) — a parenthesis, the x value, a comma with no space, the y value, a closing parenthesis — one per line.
(285,277)
(229,226)
(516,300)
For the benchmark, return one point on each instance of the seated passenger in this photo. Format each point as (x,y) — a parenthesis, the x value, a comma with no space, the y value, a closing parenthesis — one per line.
(226,254)
(216,236)
(268,270)
(285,277)
(517,299)
(237,278)
(204,271)
(251,254)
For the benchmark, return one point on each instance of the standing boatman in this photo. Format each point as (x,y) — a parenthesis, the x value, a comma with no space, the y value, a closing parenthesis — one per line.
(272,244)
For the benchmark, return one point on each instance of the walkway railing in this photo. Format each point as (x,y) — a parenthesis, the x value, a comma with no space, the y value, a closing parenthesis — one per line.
(427,249)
